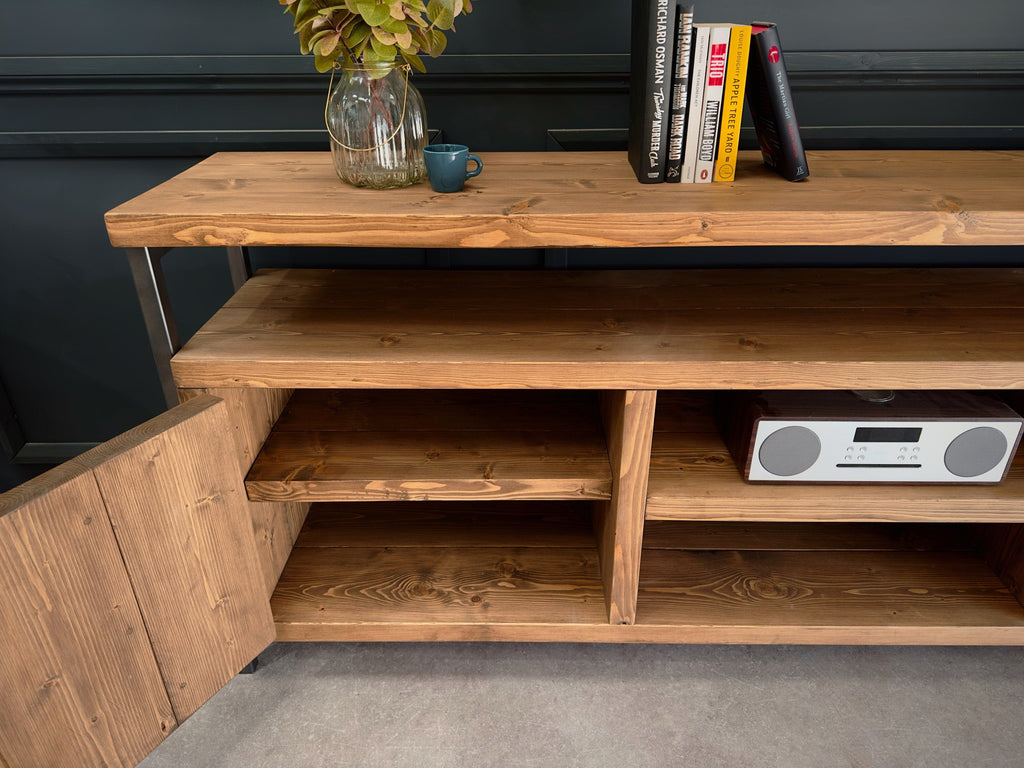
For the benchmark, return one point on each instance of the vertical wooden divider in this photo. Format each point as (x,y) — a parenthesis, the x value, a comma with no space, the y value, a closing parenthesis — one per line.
(253,413)
(629,427)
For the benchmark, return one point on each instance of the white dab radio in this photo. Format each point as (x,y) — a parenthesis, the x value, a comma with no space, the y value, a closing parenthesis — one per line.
(870,437)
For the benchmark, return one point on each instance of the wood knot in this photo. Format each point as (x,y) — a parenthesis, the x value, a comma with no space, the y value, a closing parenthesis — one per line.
(506,569)
(389,341)
(951,205)
(767,589)
(752,344)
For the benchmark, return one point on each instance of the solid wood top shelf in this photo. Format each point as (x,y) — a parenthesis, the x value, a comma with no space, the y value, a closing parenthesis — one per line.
(679,329)
(587,199)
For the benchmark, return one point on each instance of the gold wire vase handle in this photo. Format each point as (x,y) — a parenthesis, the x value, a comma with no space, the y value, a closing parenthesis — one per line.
(330,90)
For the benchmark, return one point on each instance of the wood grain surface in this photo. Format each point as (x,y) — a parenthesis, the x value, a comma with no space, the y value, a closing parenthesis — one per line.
(345,581)
(80,685)
(587,199)
(420,445)
(252,413)
(786,329)
(175,497)
(372,572)
(628,424)
(927,592)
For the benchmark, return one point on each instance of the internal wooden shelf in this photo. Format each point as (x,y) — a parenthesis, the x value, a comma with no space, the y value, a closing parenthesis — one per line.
(444,444)
(693,477)
(434,571)
(684,329)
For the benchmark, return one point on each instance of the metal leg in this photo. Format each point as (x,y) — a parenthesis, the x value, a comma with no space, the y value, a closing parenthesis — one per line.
(156,311)
(251,667)
(241,268)
(11,438)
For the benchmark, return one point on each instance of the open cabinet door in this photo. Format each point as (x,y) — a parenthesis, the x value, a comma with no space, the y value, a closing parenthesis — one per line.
(131,592)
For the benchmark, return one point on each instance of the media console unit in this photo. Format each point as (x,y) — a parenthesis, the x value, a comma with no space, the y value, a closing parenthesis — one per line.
(416,455)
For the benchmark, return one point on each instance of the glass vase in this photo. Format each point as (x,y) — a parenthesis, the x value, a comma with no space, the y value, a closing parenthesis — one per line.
(378,127)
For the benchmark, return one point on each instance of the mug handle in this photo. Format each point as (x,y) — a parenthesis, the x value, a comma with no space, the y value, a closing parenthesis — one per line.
(479,166)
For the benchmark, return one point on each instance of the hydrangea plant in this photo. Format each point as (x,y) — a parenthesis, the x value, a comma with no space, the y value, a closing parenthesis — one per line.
(373,32)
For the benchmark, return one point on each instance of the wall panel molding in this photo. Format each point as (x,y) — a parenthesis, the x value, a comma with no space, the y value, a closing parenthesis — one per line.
(817,77)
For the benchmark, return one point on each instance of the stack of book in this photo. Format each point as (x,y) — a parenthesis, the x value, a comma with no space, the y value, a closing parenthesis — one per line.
(687,87)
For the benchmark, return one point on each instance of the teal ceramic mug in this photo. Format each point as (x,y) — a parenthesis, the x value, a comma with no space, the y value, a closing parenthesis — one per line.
(447,166)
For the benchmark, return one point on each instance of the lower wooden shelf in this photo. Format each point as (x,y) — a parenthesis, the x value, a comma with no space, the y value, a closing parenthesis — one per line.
(827,583)
(434,571)
(530,572)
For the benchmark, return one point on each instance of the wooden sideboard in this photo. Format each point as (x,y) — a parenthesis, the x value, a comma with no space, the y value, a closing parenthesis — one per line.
(492,455)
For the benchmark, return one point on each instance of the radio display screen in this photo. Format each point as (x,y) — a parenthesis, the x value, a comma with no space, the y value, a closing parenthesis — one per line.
(887,435)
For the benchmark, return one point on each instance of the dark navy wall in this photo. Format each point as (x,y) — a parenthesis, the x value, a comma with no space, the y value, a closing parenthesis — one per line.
(98,103)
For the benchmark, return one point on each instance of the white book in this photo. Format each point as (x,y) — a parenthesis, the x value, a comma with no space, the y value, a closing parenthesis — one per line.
(698,75)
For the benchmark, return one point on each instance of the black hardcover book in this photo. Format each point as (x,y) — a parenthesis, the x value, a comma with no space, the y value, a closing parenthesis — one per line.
(651,43)
(771,105)
(680,92)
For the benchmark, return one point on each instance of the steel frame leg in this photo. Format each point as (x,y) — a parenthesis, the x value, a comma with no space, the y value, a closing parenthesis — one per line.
(151,287)
(238,261)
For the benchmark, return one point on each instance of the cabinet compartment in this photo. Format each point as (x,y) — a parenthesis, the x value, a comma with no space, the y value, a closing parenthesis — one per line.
(416,445)
(694,477)
(826,583)
(442,571)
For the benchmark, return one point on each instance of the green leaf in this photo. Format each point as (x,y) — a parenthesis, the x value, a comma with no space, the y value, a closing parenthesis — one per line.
(384,52)
(414,61)
(358,34)
(438,42)
(383,36)
(441,13)
(311,44)
(394,26)
(374,14)
(305,12)
(323,63)
(329,44)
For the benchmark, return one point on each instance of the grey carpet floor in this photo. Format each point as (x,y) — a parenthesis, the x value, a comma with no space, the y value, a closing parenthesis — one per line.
(479,705)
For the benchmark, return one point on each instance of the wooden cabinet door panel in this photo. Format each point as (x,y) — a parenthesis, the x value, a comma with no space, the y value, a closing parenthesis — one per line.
(130,592)
(78,681)
(177,503)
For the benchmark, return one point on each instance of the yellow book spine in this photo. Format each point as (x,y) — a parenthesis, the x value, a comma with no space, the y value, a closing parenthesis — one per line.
(732,103)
